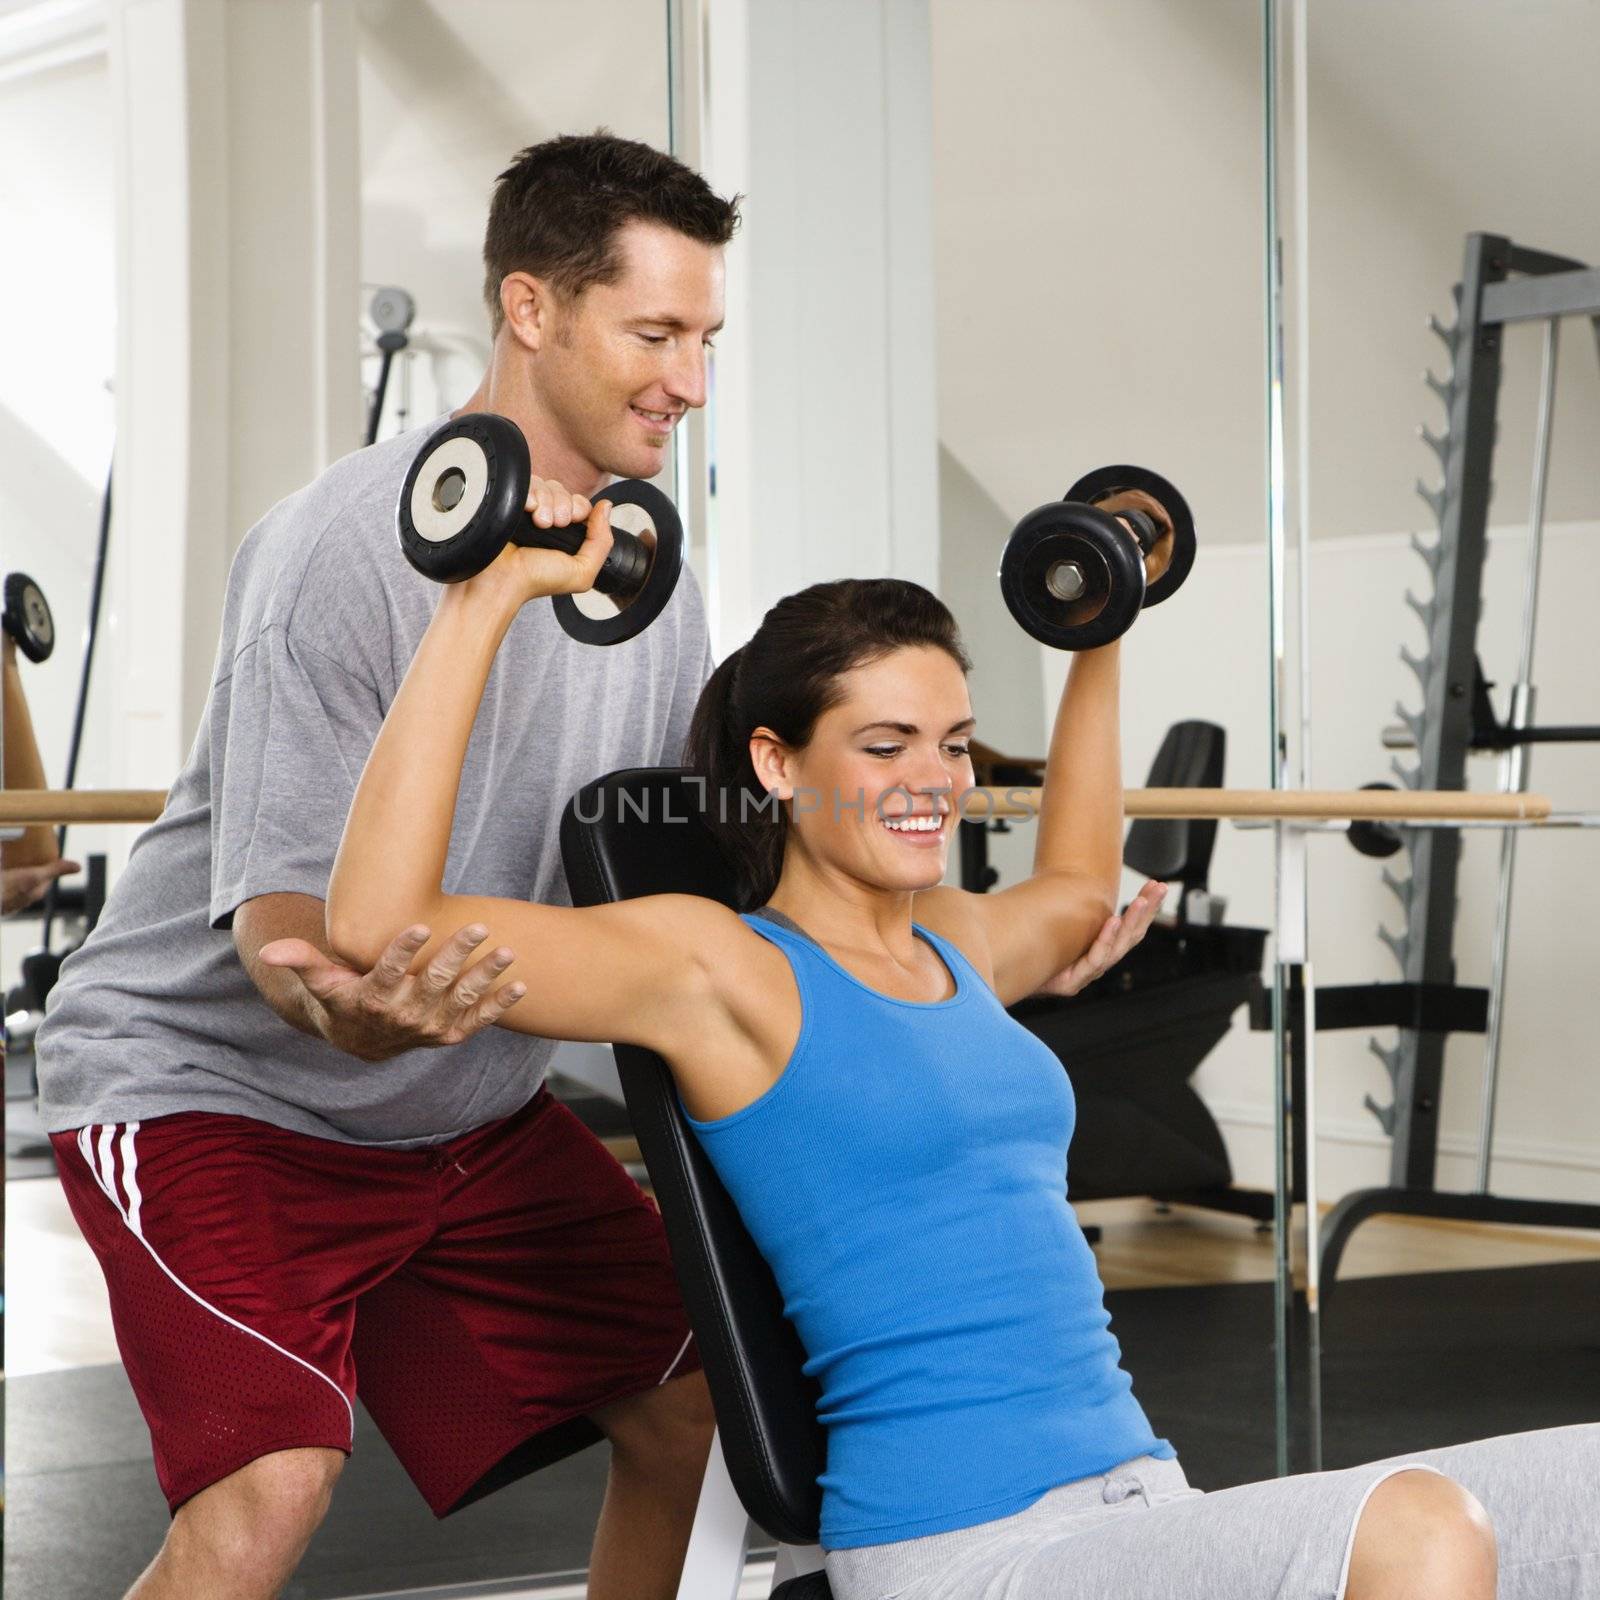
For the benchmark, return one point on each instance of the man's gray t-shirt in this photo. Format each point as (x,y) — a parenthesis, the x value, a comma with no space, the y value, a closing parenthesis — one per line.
(156,1014)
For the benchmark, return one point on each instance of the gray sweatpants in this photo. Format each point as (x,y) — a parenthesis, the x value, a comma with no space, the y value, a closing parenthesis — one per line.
(1139,1532)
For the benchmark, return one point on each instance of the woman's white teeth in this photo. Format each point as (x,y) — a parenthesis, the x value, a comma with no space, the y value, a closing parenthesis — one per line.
(913,824)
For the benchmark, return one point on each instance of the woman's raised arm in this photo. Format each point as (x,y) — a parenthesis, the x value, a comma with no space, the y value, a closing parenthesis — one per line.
(1036,928)
(635,971)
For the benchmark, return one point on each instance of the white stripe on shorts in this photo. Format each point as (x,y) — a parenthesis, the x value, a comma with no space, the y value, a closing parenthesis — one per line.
(675,1360)
(130,1181)
(106,1163)
(105,1176)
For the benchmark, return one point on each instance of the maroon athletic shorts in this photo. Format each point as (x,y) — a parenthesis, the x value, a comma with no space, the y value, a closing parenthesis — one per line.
(482,1296)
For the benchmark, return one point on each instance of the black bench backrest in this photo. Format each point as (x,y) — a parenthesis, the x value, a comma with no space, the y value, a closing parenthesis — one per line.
(638,832)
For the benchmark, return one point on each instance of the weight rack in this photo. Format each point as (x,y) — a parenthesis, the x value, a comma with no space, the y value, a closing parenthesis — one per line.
(1501,284)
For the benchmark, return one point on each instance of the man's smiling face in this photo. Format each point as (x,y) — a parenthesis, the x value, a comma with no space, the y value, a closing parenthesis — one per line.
(625,360)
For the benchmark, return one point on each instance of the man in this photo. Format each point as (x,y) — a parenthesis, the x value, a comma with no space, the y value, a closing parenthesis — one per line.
(293,1190)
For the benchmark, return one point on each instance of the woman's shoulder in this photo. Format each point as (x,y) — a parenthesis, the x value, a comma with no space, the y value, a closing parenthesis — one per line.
(700,921)
(720,941)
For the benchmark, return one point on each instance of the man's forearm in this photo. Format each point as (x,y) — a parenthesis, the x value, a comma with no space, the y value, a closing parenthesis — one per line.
(282,916)
(283,991)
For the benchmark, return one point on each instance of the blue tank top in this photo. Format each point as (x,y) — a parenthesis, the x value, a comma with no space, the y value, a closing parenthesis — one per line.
(906,1181)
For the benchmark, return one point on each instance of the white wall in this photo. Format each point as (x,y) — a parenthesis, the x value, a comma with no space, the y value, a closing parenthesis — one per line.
(130,151)
(1099,220)
(819,112)
(1428,120)
(1097,247)
(1006,685)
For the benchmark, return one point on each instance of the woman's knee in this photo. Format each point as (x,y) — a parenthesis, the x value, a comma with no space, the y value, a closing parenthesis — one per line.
(1422,1534)
(265,1512)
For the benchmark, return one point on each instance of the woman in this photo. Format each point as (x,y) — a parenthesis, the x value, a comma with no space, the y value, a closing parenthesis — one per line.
(895,1142)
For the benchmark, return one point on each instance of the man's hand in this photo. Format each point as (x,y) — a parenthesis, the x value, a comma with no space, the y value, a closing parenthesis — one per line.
(1119,935)
(21,887)
(382,1013)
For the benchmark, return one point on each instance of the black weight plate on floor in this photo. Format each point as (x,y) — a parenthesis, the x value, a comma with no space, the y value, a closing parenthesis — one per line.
(1108,480)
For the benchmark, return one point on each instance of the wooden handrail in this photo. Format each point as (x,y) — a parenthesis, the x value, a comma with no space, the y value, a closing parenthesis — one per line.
(1330,805)
(29,807)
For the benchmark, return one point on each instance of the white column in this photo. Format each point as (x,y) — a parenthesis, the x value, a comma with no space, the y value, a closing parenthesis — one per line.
(826,441)
(237,361)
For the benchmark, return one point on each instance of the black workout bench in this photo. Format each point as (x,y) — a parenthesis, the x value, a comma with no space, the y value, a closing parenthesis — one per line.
(769,1449)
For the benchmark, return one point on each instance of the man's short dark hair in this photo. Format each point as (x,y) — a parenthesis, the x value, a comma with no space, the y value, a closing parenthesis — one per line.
(557,209)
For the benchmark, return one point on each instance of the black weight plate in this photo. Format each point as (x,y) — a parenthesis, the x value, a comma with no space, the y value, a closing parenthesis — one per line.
(647,604)
(27,617)
(1063,531)
(450,542)
(1374,838)
(1108,480)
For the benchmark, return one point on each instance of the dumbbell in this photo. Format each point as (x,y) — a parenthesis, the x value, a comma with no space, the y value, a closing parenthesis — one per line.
(1073,578)
(26,617)
(465,499)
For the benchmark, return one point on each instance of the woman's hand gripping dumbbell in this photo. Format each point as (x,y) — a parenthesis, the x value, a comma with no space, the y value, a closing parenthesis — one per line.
(1072,576)
(467,497)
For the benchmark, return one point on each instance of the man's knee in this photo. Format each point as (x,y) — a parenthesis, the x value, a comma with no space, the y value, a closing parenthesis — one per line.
(1431,1528)
(670,1424)
(264,1513)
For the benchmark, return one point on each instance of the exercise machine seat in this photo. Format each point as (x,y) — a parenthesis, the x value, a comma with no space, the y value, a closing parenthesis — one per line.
(646,837)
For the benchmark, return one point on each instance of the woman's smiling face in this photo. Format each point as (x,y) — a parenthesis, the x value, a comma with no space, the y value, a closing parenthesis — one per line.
(875,793)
